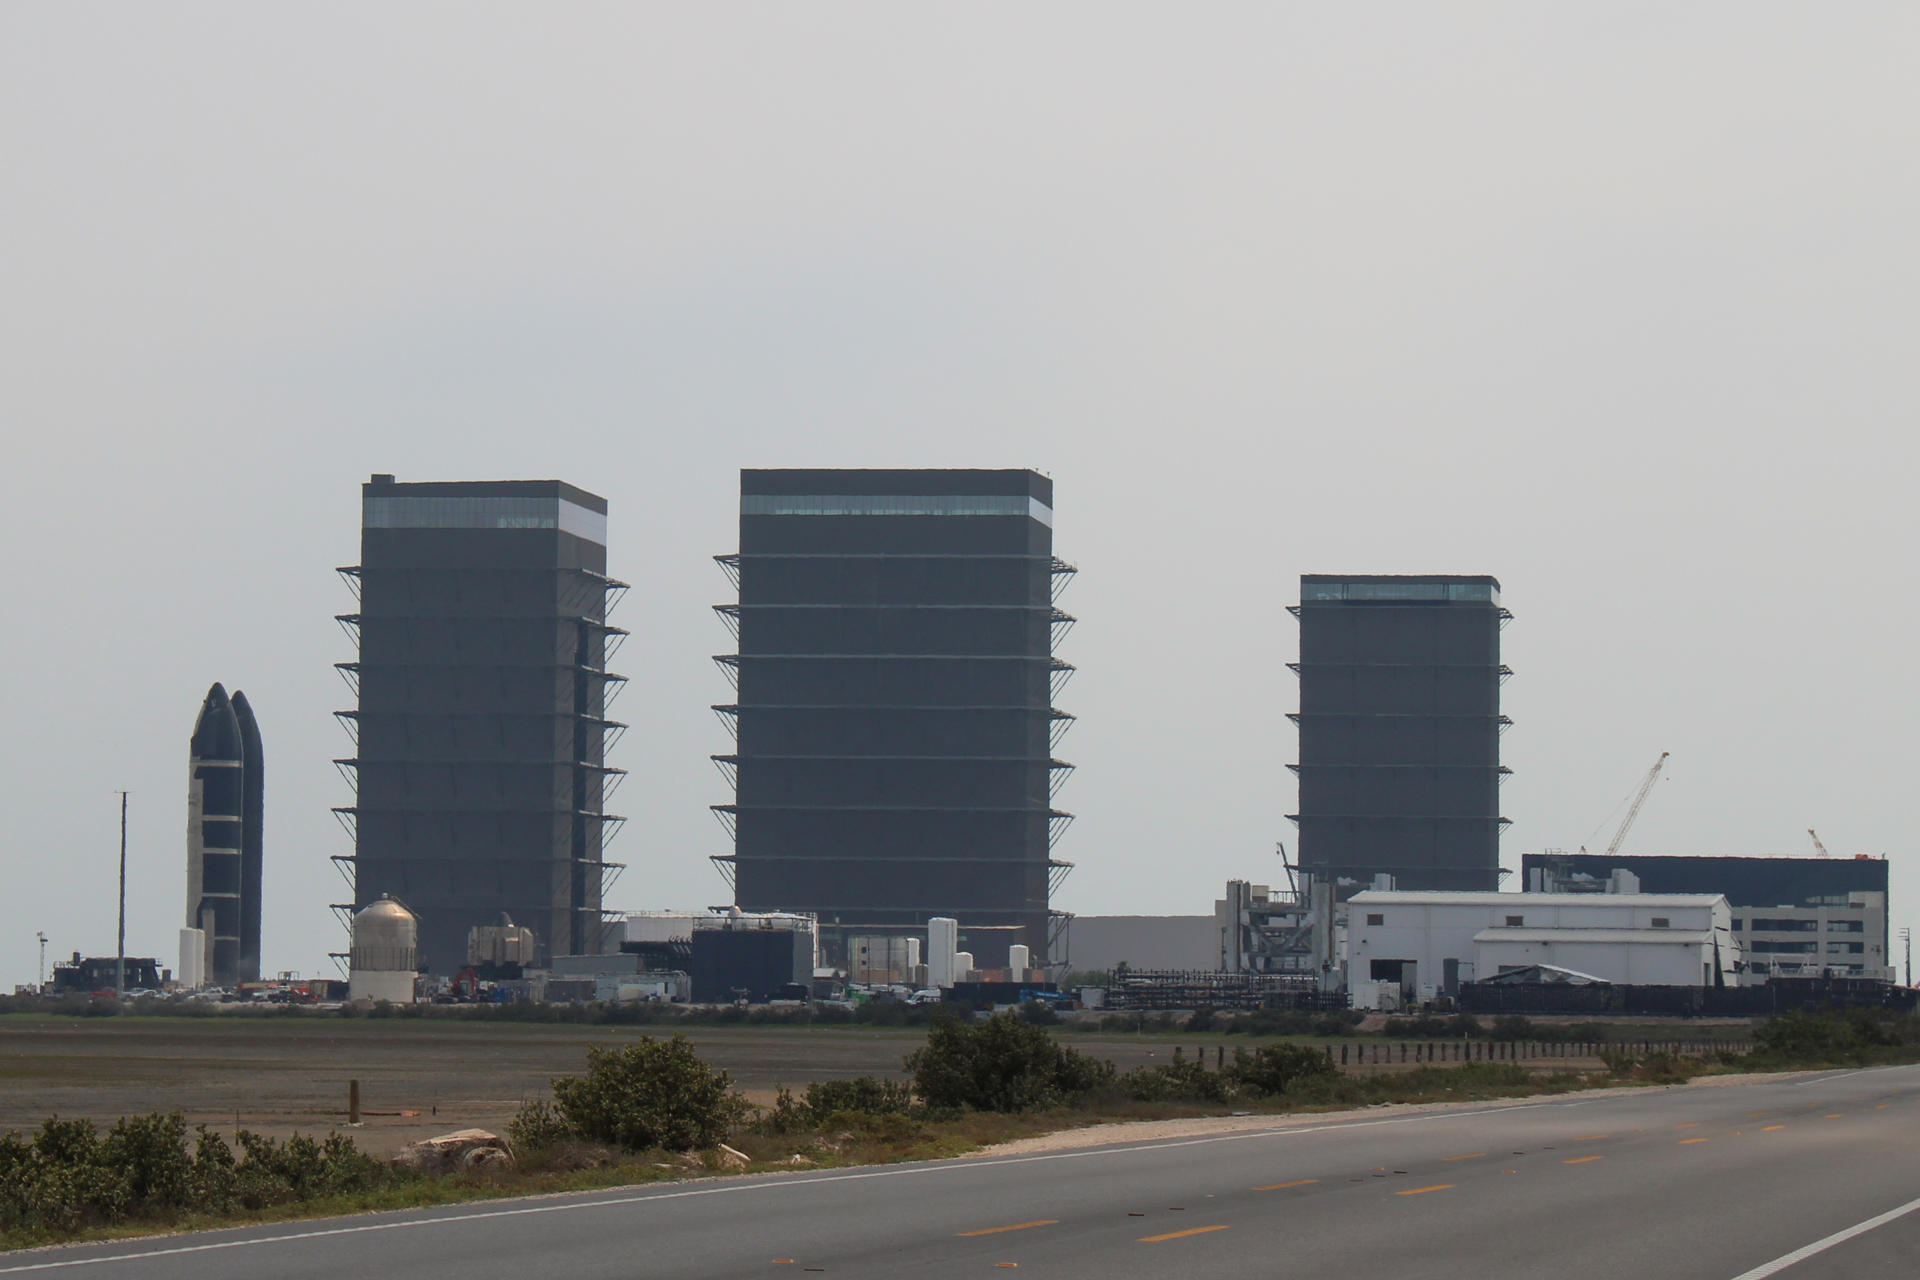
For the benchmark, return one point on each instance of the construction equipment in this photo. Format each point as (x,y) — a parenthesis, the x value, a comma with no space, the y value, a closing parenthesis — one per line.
(1819,849)
(1633,810)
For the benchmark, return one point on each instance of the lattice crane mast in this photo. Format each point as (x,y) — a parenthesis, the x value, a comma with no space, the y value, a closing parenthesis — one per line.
(1818,848)
(1639,798)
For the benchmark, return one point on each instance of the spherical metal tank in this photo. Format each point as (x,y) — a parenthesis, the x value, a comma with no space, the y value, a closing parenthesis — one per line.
(386,937)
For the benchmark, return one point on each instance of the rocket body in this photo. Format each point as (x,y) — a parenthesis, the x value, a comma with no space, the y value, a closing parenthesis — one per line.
(216,797)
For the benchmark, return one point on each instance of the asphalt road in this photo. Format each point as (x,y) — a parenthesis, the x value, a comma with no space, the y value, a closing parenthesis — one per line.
(1686,1183)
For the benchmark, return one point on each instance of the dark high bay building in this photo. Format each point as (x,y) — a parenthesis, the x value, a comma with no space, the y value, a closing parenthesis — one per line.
(1400,730)
(895,719)
(225,795)
(481,733)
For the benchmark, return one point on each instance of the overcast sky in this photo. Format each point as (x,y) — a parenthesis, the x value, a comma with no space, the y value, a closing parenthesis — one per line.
(1616,302)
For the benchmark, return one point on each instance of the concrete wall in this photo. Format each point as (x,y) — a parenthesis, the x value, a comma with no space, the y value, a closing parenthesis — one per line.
(1143,942)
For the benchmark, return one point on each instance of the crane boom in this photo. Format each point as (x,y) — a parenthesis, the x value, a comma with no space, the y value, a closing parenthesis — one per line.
(1819,848)
(1639,798)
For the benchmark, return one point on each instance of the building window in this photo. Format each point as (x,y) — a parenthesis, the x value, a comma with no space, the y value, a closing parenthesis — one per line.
(1738,924)
(1846,948)
(1662,922)
(1514,922)
(1376,917)
(1782,924)
(1846,926)
(1757,967)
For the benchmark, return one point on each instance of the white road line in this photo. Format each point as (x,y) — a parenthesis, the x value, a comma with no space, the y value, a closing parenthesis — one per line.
(1824,1079)
(570,1204)
(1801,1254)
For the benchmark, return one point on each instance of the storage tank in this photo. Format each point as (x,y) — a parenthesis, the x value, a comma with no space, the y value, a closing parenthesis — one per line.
(386,953)
(193,959)
(1019,956)
(963,966)
(943,942)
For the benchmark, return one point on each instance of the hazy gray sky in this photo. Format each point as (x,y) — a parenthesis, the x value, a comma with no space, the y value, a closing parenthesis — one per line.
(1614,301)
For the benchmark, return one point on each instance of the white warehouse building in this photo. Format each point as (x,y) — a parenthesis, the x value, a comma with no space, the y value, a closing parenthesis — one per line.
(1408,946)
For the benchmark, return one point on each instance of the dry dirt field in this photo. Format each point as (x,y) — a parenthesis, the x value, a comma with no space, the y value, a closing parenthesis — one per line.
(278,1075)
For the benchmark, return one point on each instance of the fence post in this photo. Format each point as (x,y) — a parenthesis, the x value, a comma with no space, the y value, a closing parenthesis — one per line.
(353,1102)
(1343,1055)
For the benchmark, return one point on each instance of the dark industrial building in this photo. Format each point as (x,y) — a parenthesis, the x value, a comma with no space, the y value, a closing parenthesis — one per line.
(894,722)
(480,768)
(1400,730)
(225,795)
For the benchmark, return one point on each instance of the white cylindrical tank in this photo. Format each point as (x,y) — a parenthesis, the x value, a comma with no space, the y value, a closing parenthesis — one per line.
(943,941)
(193,959)
(1019,956)
(963,966)
(913,954)
(386,950)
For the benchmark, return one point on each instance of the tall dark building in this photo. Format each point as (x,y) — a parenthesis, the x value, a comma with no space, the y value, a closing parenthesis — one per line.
(224,825)
(1400,730)
(895,720)
(481,734)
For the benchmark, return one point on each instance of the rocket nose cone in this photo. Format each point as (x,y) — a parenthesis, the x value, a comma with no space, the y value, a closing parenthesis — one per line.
(216,733)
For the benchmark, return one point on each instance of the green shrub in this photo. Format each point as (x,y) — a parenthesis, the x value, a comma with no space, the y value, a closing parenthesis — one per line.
(1178,1081)
(785,1116)
(1273,1068)
(537,1127)
(653,1093)
(1834,1035)
(865,1095)
(1000,1063)
(151,1151)
(1039,1013)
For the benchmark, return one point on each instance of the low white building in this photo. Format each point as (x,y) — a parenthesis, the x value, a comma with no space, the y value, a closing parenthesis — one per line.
(1408,946)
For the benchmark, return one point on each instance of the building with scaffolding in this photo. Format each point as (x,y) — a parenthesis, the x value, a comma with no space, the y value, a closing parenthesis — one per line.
(1400,728)
(481,734)
(894,722)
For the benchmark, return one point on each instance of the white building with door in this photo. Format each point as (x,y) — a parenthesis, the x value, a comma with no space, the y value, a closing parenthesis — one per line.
(1408,946)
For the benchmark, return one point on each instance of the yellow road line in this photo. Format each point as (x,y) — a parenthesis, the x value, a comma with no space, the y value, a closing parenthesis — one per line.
(1420,1191)
(1834,1116)
(1018,1226)
(1769,1128)
(1583,1160)
(1175,1235)
(1687,1142)
(1282,1186)
(1471,1155)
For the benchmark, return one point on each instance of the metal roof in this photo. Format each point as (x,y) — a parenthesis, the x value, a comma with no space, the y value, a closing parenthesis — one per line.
(1441,898)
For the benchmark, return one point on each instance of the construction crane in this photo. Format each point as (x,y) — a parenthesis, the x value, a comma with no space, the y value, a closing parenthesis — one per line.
(1639,798)
(1818,848)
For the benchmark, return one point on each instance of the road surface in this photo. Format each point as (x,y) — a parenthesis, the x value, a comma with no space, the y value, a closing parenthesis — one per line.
(1815,1177)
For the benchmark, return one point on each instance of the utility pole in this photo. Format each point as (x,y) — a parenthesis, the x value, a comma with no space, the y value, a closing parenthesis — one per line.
(42,935)
(1906,938)
(120,954)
